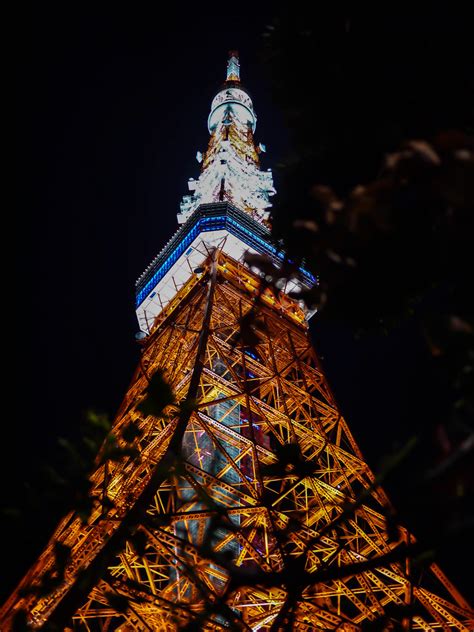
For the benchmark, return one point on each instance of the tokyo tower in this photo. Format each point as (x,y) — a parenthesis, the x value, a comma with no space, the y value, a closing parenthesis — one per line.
(246,503)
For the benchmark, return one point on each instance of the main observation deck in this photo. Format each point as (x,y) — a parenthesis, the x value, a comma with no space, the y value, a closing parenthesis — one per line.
(215,225)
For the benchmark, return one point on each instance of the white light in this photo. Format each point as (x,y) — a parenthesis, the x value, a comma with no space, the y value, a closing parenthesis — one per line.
(245,185)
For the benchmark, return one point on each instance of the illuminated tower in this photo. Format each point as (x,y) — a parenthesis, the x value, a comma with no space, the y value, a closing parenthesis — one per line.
(247,503)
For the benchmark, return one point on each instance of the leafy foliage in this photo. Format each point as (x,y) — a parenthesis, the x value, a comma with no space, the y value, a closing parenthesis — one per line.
(376,197)
(159,395)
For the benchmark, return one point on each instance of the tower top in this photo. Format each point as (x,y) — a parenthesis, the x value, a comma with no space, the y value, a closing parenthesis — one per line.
(233,66)
(226,208)
(232,98)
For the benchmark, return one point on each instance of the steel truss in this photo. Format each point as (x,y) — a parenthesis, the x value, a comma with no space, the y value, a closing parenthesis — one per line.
(269,483)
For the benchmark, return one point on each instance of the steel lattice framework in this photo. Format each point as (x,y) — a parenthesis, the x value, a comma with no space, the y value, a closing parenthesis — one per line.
(231,505)
(246,503)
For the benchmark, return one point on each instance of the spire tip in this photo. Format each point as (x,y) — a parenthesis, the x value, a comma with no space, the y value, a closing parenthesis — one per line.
(233,66)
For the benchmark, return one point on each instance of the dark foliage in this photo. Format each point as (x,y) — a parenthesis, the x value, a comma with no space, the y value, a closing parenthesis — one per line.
(377,198)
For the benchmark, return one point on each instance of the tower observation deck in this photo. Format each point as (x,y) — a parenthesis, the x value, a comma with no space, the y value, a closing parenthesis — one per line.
(230,494)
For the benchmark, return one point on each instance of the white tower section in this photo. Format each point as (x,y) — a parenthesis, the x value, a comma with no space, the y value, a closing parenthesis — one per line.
(231,168)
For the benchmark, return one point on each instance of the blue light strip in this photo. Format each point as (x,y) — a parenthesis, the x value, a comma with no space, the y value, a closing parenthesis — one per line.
(206,224)
(169,262)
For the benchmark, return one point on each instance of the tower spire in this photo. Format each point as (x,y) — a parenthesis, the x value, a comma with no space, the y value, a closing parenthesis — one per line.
(233,66)
(230,168)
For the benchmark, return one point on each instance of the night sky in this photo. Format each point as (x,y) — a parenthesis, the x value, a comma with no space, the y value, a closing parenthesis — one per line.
(111,109)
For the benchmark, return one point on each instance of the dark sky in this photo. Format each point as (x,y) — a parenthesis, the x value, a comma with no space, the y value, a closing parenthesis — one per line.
(111,109)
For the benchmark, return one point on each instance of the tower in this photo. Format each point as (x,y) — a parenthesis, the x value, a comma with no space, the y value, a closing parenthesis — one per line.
(246,502)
